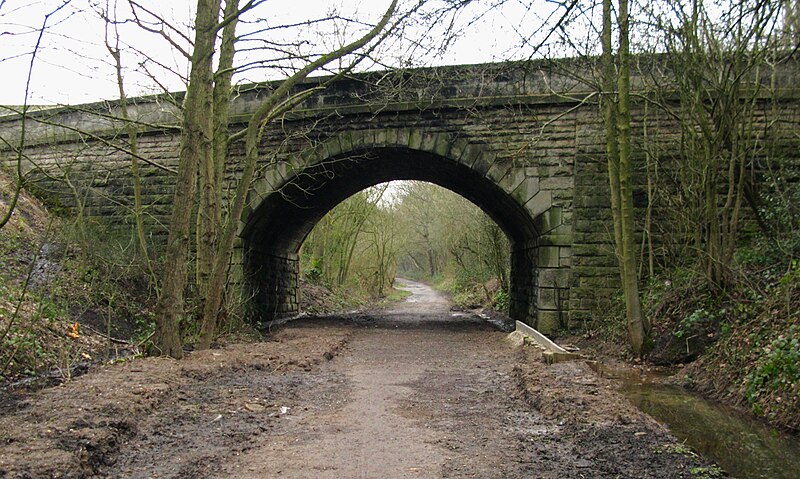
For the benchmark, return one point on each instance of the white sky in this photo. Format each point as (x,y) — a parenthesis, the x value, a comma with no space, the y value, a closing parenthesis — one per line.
(73,66)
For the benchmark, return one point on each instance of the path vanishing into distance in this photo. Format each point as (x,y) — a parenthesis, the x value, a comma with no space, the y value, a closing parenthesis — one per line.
(412,391)
(420,397)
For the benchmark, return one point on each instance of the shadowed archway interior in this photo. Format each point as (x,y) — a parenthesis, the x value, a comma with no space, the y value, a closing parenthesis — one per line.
(277,227)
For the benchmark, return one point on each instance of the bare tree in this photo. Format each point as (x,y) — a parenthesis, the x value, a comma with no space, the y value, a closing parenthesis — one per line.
(196,142)
(20,146)
(719,68)
(617,112)
(280,100)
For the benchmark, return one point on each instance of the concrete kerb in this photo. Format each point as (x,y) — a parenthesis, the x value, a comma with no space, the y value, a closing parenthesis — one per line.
(551,352)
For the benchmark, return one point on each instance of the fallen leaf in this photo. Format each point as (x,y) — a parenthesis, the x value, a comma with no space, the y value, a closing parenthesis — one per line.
(73,331)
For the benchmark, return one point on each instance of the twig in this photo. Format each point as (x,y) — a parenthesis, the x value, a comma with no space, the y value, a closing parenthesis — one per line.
(149,336)
(106,336)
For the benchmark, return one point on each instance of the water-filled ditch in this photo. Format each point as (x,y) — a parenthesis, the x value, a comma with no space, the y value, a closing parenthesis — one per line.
(745,447)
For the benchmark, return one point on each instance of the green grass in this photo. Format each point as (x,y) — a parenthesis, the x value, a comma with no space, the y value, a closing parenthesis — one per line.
(397,295)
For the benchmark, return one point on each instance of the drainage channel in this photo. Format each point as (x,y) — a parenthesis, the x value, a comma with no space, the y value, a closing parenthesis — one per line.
(745,447)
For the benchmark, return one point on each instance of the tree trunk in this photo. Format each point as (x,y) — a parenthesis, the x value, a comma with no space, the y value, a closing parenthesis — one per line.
(618,149)
(131,130)
(214,170)
(196,136)
(612,145)
(637,329)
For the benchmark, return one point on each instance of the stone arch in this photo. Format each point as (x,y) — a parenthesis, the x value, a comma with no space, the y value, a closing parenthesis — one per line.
(291,197)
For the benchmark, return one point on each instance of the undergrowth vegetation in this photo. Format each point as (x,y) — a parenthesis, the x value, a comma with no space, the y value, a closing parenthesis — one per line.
(69,294)
(754,361)
(318,299)
(738,341)
(740,345)
(472,290)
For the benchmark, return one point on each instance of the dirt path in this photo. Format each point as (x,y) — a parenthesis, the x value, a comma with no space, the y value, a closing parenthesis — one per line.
(397,368)
(413,391)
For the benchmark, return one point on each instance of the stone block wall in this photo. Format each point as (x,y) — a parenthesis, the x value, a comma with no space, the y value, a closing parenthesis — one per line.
(595,271)
(272,284)
(95,175)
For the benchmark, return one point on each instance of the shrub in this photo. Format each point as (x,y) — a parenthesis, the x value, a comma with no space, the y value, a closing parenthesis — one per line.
(500,300)
(778,367)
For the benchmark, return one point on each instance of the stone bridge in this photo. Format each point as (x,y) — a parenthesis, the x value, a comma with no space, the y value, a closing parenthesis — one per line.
(523,141)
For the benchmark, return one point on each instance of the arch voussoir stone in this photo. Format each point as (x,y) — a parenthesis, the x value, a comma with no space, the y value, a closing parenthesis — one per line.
(512,180)
(526,189)
(345,141)
(442,145)
(319,152)
(540,202)
(428,141)
(471,155)
(499,170)
(549,220)
(484,161)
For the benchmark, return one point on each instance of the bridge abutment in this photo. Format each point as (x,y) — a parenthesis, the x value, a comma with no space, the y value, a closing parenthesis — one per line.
(272,283)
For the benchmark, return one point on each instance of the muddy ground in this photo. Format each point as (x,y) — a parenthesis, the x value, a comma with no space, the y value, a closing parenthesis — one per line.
(412,391)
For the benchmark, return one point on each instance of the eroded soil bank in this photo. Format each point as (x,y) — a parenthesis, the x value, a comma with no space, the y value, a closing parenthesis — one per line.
(413,391)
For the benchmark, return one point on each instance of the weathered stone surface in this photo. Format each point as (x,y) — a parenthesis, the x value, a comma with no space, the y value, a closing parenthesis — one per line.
(548,257)
(549,322)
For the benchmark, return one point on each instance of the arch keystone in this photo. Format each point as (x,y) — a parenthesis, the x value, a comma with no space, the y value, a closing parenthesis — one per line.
(415,139)
(403,135)
(442,145)
(362,138)
(428,142)
(381,137)
(391,137)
